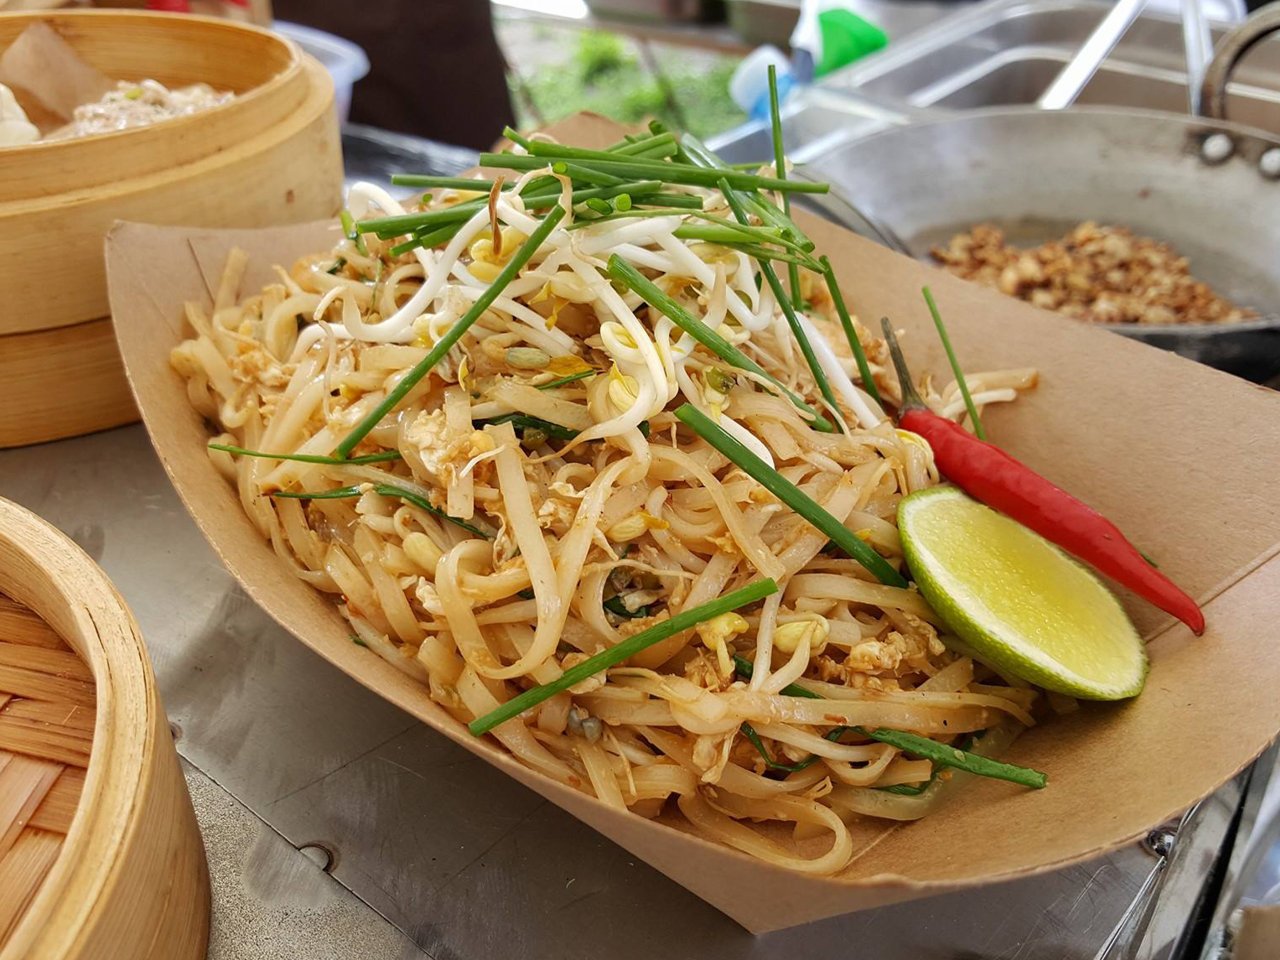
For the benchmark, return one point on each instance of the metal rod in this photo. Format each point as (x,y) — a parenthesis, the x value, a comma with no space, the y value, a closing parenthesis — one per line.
(1075,75)
(1198,46)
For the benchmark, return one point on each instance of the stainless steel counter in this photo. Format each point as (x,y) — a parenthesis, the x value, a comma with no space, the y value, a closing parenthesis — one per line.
(296,770)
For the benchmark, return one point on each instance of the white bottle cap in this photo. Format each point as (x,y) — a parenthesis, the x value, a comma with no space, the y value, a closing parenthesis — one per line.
(750,82)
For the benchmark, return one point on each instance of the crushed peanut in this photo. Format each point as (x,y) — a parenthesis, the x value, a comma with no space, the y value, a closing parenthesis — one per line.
(1103,274)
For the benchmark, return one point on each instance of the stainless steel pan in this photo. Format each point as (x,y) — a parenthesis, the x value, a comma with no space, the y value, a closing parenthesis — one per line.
(1202,183)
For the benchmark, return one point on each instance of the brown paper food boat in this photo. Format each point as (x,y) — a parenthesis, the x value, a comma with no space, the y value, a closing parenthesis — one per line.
(1185,459)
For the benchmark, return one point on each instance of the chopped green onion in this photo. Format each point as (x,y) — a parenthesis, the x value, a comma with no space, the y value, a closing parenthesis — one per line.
(625,273)
(628,648)
(790,494)
(358,641)
(600,206)
(859,355)
(788,311)
(622,203)
(655,170)
(571,378)
(446,343)
(619,609)
(780,168)
(523,421)
(384,490)
(955,365)
(309,457)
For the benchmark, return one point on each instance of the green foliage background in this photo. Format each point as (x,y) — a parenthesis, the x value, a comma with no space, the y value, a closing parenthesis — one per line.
(606,76)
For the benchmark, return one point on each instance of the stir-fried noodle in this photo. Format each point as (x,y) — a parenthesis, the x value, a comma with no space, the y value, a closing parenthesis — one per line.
(546,504)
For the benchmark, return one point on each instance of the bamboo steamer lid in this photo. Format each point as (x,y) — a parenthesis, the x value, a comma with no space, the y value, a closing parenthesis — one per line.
(100,854)
(270,156)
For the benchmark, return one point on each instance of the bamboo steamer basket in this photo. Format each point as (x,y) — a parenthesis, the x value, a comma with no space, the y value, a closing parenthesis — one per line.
(100,854)
(270,156)
(61,383)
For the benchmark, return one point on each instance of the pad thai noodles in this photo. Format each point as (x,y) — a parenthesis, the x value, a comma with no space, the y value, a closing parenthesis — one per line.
(492,424)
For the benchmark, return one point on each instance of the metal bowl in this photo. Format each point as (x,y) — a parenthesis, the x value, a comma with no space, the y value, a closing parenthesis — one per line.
(1248,349)
(1035,174)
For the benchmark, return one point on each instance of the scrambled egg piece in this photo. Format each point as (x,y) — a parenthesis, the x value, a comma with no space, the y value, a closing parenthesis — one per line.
(896,655)
(442,455)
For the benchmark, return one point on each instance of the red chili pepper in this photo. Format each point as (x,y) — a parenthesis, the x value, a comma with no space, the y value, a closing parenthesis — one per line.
(990,475)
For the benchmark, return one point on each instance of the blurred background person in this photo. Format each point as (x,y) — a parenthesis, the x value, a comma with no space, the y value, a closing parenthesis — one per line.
(435,68)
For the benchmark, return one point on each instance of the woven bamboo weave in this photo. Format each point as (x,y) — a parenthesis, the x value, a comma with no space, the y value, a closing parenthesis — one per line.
(46,734)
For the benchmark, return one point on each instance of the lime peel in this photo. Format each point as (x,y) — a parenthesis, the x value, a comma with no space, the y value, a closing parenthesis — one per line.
(1020,603)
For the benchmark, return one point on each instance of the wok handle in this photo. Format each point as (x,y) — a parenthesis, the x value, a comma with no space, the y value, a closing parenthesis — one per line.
(1231,48)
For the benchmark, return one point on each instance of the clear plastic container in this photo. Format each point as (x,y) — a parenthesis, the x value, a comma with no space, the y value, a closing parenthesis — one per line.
(345,61)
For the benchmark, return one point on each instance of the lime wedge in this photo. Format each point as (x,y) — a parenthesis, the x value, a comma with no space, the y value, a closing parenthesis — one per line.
(1018,601)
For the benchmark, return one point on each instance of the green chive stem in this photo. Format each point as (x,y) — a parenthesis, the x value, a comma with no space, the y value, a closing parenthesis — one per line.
(757,204)
(625,273)
(523,421)
(571,378)
(658,170)
(941,754)
(582,173)
(445,183)
(744,668)
(626,649)
(947,756)
(400,224)
(446,343)
(351,232)
(653,148)
(384,490)
(790,494)
(859,355)
(955,364)
(749,732)
(780,169)
(429,239)
(382,457)
(780,295)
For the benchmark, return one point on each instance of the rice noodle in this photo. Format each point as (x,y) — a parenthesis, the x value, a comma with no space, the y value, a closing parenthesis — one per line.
(516,552)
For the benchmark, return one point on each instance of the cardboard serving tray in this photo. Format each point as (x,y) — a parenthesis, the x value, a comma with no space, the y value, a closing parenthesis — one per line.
(1184,458)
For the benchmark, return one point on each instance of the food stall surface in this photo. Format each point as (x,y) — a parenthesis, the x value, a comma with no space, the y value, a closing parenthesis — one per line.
(338,826)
